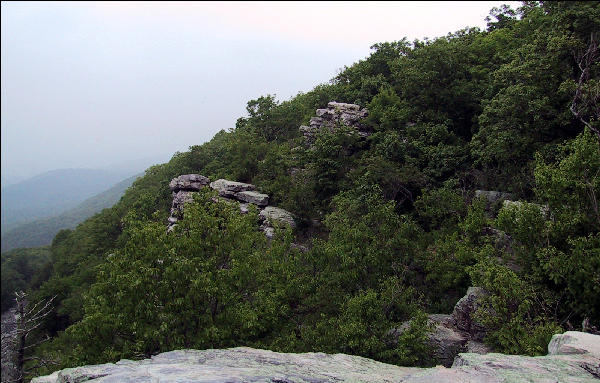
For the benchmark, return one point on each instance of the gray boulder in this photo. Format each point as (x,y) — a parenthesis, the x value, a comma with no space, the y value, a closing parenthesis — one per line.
(508,204)
(331,118)
(275,215)
(574,342)
(239,364)
(180,198)
(188,182)
(222,185)
(256,198)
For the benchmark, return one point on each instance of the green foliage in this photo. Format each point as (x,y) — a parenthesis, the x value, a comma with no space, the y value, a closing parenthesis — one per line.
(440,208)
(571,186)
(399,235)
(21,269)
(517,313)
(206,284)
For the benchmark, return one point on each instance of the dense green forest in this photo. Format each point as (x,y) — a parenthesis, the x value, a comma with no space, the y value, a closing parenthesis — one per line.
(391,222)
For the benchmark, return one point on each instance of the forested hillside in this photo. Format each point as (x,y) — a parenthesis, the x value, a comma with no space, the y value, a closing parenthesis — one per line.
(390,224)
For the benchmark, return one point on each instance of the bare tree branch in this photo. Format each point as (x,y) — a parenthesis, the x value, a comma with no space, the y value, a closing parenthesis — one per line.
(585,104)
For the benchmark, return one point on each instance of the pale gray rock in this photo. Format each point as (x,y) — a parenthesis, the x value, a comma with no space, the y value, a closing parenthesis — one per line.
(275,215)
(574,342)
(454,333)
(9,345)
(244,208)
(244,364)
(240,364)
(342,106)
(333,117)
(256,198)
(180,198)
(188,182)
(493,196)
(222,185)
(268,230)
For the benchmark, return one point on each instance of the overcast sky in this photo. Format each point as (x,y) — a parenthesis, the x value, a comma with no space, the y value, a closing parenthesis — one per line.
(87,85)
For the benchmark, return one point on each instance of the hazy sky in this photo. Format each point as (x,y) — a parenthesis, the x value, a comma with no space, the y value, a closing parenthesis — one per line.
(86,85)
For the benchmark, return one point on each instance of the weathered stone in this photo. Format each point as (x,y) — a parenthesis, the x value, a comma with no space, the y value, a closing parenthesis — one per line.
(276,216)
(188,182)
(244,208)
(244,364)
(446,341)
(331,118)
(222,185)
(240,364)
(464,311)
(493,196)
(9,345)
(574,342)
(477,347)
(341,105)
(268,230)
(256,198)
(180,198)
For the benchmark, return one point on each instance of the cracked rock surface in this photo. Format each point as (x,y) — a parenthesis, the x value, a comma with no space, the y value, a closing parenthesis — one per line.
(573,357)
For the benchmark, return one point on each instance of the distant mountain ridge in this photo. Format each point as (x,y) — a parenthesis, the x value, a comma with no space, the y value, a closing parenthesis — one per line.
(41,232)
(53,193)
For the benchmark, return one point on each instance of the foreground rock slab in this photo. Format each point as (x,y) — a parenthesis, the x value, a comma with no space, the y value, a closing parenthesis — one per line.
(234,365)
(573,357)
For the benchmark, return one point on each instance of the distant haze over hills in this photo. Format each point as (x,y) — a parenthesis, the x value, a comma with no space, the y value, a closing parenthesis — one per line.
(41,231)
(126,167)
(54,192)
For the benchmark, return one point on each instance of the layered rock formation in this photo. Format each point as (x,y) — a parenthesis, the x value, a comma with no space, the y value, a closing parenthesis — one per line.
(573,357)
(336,115)
(184,186)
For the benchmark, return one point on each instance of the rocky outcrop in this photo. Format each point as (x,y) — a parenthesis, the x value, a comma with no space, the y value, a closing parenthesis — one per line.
(184,187)
(336,115)
(573,357)
(457,332)
(189,182)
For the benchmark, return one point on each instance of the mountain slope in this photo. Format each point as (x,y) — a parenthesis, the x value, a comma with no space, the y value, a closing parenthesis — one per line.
(52,193)
(40,232)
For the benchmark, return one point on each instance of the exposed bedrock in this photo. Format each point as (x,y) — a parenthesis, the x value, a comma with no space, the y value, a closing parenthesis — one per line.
(573,357)
(336,115)
(243,194)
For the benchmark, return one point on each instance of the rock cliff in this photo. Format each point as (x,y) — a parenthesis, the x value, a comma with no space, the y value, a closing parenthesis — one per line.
(573,357)
(184,186)
(336,114)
